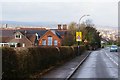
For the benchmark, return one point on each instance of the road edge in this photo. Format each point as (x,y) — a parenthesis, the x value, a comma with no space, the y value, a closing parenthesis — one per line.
(76,68)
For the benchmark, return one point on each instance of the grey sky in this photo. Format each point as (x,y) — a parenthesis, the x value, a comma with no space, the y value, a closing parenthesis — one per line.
(102,13)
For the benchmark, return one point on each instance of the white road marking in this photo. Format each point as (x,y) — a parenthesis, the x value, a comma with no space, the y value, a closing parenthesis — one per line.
(111,59)
(113,56)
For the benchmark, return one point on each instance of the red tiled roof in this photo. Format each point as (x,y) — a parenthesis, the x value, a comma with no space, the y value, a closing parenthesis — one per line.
(31,37)
(5,39)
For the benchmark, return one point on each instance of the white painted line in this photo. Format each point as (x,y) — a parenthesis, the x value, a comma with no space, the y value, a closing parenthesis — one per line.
(111,59)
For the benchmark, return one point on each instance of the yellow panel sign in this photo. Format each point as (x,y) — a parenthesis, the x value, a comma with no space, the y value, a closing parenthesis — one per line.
(78,36)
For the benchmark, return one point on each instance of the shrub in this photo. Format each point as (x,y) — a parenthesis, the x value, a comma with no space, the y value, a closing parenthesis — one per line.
(22,62)
(66,52)
(80,50)
(9,62)
(76,50)
(37,58)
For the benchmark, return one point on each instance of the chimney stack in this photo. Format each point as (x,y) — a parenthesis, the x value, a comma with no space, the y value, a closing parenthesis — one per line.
(59,26)
(64,26)
(6,25)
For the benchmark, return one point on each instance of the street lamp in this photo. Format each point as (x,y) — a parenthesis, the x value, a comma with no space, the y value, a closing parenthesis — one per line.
(79,24)
(79,29)
(80,20)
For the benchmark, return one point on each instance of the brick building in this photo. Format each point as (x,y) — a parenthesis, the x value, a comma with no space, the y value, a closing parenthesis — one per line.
(50,38)
(28,37)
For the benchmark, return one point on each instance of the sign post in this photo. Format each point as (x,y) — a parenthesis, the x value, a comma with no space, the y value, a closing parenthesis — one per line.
(78,39)
(78,36)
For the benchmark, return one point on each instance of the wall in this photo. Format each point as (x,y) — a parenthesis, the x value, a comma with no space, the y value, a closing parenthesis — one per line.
(54,37)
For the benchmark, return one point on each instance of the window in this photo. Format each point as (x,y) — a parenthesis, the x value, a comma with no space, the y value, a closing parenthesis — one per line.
(19,45)
(55,42)
(23,45)
(2,45)
(43,42)
(17,36)
(49,41)
(12,45)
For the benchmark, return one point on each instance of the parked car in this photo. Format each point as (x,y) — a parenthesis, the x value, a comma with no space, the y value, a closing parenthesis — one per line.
(113,48)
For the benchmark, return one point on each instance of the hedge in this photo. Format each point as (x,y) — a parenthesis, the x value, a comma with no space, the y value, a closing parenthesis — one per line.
(22,62)
(38,58)
(66,52)
(9,62)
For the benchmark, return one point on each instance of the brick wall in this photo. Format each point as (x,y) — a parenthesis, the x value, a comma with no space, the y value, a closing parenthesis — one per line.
(54,37)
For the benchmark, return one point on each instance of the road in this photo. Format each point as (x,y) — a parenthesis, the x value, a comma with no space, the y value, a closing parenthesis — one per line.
(100,64)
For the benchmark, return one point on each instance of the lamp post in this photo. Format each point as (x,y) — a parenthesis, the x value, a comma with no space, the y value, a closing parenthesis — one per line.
(79,24)
(79,29)
(80,20)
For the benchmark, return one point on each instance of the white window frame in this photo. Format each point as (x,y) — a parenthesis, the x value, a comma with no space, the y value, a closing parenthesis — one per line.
(49,40)
(17,37)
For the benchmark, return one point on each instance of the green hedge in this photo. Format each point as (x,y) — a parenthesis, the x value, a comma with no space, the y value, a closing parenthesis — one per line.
(38,58)
(9,62)
(80,50)
(22,62)
(66,52)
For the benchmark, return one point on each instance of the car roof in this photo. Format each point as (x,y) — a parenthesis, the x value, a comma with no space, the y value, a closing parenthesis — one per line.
(113,45)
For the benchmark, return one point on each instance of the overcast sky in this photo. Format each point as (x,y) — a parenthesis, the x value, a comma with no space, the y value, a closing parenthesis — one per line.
(104,13)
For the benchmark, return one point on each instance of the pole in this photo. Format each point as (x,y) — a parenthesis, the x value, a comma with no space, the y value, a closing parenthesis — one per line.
(79,31)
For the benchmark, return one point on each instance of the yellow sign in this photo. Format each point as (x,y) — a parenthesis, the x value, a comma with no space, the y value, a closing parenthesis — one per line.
(78,36)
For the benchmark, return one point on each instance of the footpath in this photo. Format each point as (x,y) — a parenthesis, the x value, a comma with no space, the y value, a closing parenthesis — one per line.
(64,70)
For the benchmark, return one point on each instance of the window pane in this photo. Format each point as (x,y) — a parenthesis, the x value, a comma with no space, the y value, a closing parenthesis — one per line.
(17,36)
(55,42)
(49,41)
(43,42)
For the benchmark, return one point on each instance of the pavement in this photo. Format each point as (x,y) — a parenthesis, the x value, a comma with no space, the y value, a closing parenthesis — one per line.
(64,70)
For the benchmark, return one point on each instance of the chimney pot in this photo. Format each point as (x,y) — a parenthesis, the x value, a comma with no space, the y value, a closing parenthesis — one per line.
(64,26)
(59,26)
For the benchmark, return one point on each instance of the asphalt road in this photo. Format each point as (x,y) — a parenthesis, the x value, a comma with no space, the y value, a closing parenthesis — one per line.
(100,64)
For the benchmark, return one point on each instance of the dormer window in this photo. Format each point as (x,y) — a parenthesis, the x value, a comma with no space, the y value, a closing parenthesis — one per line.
(18,36)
